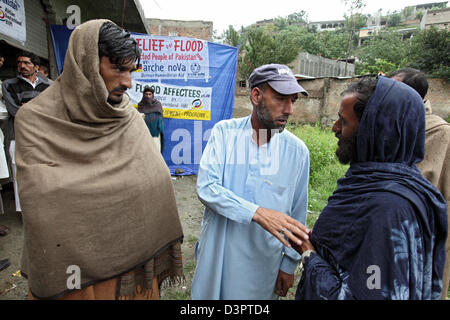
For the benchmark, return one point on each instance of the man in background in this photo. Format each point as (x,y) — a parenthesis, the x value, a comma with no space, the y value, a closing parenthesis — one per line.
(436,164)
(4,230)
(153,116)
(16,92)
(44,71)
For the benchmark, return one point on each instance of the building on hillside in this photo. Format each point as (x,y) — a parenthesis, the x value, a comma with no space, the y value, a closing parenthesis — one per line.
(367,32)
(410,24)
(202,30)
(428,6)
(39,15)
(331,25)
(264,22)
(439,18)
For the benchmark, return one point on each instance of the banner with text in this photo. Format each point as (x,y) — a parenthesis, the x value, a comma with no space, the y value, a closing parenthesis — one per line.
(12,19)
(192,103)
(195,81)
(173,58)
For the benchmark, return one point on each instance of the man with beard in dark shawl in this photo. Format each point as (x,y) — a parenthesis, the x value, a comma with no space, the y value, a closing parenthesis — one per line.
(382,234)
(153,111)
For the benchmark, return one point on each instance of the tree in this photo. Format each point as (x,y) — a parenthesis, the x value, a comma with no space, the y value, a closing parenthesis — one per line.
(429,52)
(231,36)
(265,45)
(407,12)
(332,45)
(298,18)
(353,5)
(420,14)
(384,49)
(394,19)
(380,65)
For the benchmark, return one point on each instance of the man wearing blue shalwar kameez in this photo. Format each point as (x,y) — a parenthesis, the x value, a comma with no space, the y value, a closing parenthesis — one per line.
(253,181)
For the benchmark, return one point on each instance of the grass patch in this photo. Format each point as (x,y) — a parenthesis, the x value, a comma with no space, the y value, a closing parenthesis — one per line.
(192,240)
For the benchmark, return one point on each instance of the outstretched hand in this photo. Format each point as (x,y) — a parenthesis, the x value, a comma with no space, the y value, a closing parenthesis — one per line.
(281,225)
(305,246)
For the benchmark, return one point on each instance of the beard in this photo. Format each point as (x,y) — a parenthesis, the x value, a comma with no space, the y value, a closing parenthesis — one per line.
(346,151)
(114,98)
(267,120)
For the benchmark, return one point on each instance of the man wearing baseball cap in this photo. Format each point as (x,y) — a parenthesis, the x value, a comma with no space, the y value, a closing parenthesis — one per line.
(253,181)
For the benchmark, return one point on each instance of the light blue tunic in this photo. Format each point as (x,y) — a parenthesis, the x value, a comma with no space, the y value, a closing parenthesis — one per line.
(236,257)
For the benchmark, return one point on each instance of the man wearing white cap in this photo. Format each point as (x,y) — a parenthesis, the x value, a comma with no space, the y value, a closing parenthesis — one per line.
(253,181)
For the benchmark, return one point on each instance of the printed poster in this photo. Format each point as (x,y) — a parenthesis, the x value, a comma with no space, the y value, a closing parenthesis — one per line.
(179,102)
(172,58)
(12,19)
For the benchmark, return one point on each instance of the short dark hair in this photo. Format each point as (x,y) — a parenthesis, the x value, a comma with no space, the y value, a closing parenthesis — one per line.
(118,45)
(414,78)
(261,86)
(33,58)
(148,88)
(43,68)
(362,90)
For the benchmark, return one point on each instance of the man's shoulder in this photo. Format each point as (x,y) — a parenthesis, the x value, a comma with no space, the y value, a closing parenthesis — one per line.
(234,123)
(388,205)
(10,81)
(434,121)
(43,80)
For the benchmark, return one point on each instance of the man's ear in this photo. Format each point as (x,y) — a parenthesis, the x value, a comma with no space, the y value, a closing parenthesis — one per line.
(256,96)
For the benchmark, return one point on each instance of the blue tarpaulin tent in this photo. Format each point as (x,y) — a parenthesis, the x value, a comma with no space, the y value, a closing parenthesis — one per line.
(211,72)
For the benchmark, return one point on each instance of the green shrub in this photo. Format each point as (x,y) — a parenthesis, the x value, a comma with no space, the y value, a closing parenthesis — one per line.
(322,146)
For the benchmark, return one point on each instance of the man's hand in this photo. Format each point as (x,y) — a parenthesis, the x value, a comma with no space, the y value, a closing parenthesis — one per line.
(305,246)
(284,282)
(280,225)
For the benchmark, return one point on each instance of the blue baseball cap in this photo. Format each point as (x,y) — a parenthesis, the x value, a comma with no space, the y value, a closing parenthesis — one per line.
(279,77)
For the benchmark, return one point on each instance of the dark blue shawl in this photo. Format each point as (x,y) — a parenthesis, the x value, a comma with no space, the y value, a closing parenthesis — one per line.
(385,219)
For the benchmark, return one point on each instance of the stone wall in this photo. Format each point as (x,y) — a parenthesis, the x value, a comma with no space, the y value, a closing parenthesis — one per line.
(323,102)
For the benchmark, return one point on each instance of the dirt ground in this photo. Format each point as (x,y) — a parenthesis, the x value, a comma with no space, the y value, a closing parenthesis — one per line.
(14,287)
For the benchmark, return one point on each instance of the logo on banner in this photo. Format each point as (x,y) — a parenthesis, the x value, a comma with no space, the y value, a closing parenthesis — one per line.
(2,15)
(195,68)
(197,104)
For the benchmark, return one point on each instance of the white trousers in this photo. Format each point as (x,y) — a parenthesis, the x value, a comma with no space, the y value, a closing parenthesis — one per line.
(12,149)
(157,141)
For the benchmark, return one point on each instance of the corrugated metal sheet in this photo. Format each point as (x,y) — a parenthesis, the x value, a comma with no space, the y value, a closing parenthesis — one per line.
(37,40)
(36,30)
